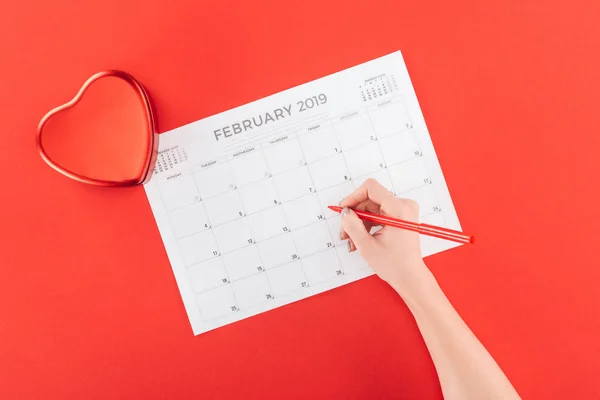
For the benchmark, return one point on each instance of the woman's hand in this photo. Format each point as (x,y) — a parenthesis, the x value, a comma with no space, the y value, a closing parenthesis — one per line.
(393,253)
(465,368)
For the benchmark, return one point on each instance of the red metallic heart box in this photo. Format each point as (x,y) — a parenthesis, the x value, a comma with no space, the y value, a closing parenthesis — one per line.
(106,135)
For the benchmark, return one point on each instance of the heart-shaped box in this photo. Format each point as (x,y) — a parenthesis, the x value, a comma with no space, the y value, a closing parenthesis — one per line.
(106,135)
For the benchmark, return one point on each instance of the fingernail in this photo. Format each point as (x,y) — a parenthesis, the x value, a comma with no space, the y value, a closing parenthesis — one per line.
(345,211)
(349,246)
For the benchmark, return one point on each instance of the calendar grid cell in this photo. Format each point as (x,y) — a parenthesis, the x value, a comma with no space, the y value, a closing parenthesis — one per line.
(431,214)
(166,201)
(414,188)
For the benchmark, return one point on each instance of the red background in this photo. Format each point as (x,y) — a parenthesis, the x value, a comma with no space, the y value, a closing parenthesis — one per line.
(510,91)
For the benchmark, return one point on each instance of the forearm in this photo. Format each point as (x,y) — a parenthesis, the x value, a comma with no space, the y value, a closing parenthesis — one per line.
(465,369)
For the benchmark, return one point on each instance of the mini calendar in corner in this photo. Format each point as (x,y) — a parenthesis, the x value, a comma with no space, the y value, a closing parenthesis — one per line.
(240,198)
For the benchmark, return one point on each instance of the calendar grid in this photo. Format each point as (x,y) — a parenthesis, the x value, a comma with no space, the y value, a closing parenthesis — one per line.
(244,194)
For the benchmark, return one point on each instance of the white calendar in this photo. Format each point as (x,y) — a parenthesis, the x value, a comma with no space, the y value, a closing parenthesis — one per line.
(240,198)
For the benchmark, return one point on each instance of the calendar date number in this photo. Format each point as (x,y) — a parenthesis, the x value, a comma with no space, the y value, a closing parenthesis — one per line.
(312,102)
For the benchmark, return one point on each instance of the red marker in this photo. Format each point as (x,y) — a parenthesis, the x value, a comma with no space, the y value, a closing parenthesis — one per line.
(424,229)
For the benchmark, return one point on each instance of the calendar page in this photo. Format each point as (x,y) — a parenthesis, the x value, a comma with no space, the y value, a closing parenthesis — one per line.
(240,198)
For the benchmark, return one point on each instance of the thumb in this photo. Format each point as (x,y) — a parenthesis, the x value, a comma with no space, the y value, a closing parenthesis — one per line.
(355,228)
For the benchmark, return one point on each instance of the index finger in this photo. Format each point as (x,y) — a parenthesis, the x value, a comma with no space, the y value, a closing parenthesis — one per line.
(369,190)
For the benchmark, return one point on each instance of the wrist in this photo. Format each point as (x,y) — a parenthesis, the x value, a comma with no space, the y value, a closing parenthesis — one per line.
(416,287)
